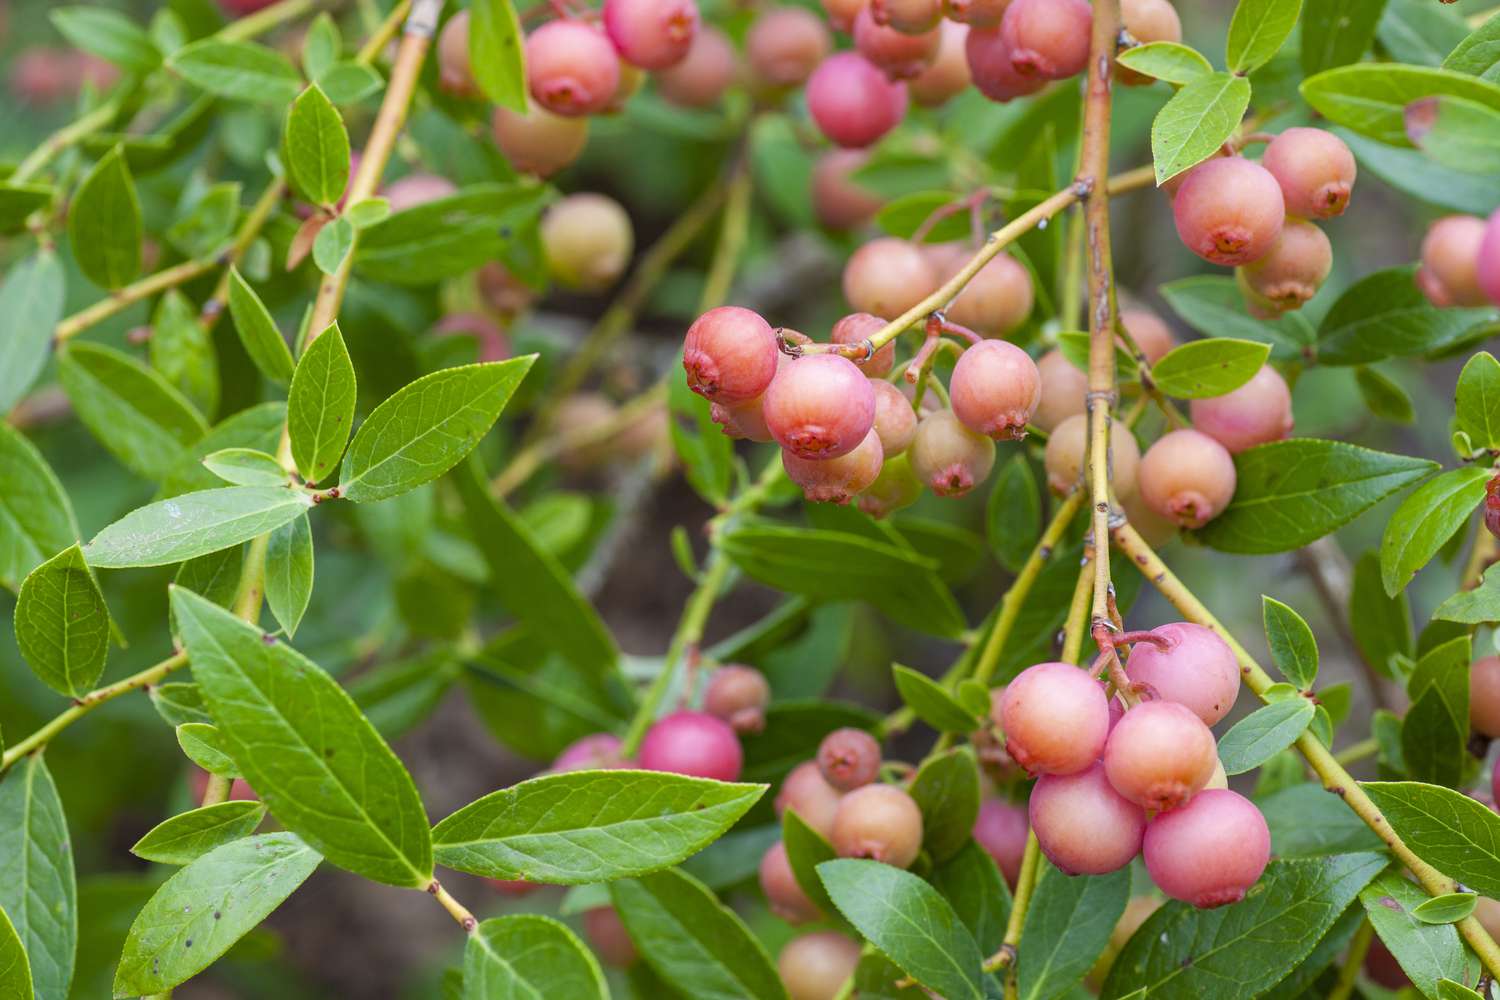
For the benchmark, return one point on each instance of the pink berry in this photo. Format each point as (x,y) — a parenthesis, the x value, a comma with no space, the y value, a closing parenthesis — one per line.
(1001,828)
(738,695)
(692,743)
(598,751)
(1194,668)
(417,189)
(948,76)
(1067,446)
(819,407)
(571,68)
(857,327)
(1147,21)
(901,55)
(1150,333)
(1209,851)
(1449,274)
(513,887)
(1295,267)
(587,239)
(814,800)
(853,102)
(816,966)
(539,142)
(887,276)
(997,300)
(880,822)
(995,389)
(1188,477)
(1488,268)
(1064,390)
(896,488)
(730,355)
(895,420)
(788,900)
(1082,824)
(1257,412)
(1492,506)
(992,69)
(976,13)
(1229,210)
(651,34)
(608,937)
(1048,38)
(948,457)
(841,13)
(837,480)
(785,45)
(913,17)
(1315,170)
(701,77)
(1484,695)
(503,292)
(849,758)
(838,200)
(455,75)
(1159,755)
(1055,718)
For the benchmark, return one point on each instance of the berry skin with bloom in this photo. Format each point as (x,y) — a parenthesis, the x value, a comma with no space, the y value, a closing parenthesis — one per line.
(539,142)
(949,458)
(1001,828)
(1048,39)
(816,966)
(1064,390)
(738,695)
(1082,824)
(912,17)
(838,200)
(1055,718)
(598,751)
(1487,270)
(651,34)
(572,68)
(692,743)
(1210,851)
(849,758)
(948,75)
(895,420)
(1066,447)
(1449,275)
(1191,666)
(976,13)
(1187,477)
(786,897)
(814,800)
(997,300)
(587,240)
(1315,170)
(837,480)
(995,389)
(820,407)
(902,56)
(857,327)
(1295,267)
(730,355)
(1159,755)
(879,822)
(887,276)
(455,74)
(701,77)
(417,189)
(785,45)
(1150,333)
(992,68)
(896,488)
(1484,696)
(1257,412)
(1229,210)
(852,101)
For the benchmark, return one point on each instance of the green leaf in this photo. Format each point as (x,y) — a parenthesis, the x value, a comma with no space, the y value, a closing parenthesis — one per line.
(1074,345)
(1290,493)
(1445,828)
(1427,951)
(1241,950)
(1479,53)
(1473,607)
(1337,32)
(693,941)
(971,883)
(62,623)
(1381,625)
(1263,734)
(320,407)
(1196,121)
(201,911)
(704,450)
(1371,98)
(590,826)
(349,81)
(366,213)
(316,147)
(31,303)
(946,789)
(806,849)
(322,45)
(201,744)
(1410,31)
(241,71)
(1384,395)
(37,887)
(19,201)
(194,524)
(449,236)
(1384,315)
(332,245)
(1215,308)
(1457,133)
(15,968)
(188,836)
(258,332)
(1306,821)
(792,734)
(1418,176)
(1425,521)
(182,351)
(427,428)
(104,223)
(1169,61)
(527,955)
(1478,401)
(1449,990)
(397,696)
(36,519)
(903,216)
(179,702)
(1258,30)
(495,52)
(1435,733)
(907,920)
(1449,908)
(1013,515)
(134,413)
(1203,368)
(1067,928)
(931,703)
(109,35)
(289,572)
(333,781)
(245,467)
(1293,648)
(257,427)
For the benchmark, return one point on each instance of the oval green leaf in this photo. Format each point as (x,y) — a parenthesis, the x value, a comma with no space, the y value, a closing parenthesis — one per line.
(946,790)
(1427,952)
(528,955)
(931,703)
(1258,30)
(1384,315)
(289,572)
(1169,61)
(1294,650)
(201,744)
(1263,734)
(37,887)
(186,837)
(1203,368)
(31,303)
(496,46)
(194,524)
(1371,98)
(1446,909)
(258,332)
(316,147)
(104,223)
(36,518)
(1445,828)
(241,71)
(320,406)
(1196,121)
(245,467)
(1067,928)
(1425,521)
(62,624)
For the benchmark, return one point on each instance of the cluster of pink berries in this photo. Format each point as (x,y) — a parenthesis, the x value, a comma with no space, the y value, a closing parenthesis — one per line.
(1258,217)
(1116,782)
(1461,261)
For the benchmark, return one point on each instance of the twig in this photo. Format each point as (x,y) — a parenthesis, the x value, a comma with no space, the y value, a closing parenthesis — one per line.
(526,461)
(1359,947)
(123,298)
(456,910)
(732,232)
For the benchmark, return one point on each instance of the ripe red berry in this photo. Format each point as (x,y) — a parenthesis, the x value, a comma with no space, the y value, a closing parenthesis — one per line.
(896,488)
(730,355)
(1229,210)
(1001,828)
(814,800)
(539,142)
(1149,331)
(738,695)
(819,407)
(913,17)
(1188,477)
(880,822)
(598,751)
(849,758)
(1069,443)
(1492,506)
(887,276)
(852,101)
(948,76)
(1449,275)
(1159,755)
(1315,170)
(1195,668)
(816,966)
(1147,21)
(1295,267)
(857,327)
(992,69)
(895,420)
(1382,968)
(608,937)
(838,200)
(785,45)
(901,55)
(995,389)
(572,68)
(837,480)
(997,300)
(692,743)
(976,13)
(455,75)
(1210,851)
(948,457)
(786,897)
(1484,695)
(1487,271)
(417,189)
(1055,718)
(1257,412)
(587,240)
(1064,390)
(651,34)
(1082,824)
(1048,38)
(701,77)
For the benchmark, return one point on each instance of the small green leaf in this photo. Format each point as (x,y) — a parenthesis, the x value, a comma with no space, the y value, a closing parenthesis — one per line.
(332,245)
(62,623)
(245,467)
(186,837)
(1371,98)
(706,453)
(289,572)
(1445,828)
(946,790)
(201,744)
(194,524)
(19,201)
(1384,315)
(1258,30)
(449,236)
(1449,908)
(1214,307)
(1425,521)
(208,223)
(1447,989)
(1435,732)
(1013,515)
(1457,133)
(109,35)
(104,223)
(316,147)
(496,54)
(348,81)
(1337,32)
(369,212)
(1067,927)
(1263,734)
(806,849)
(212,903)
(322,45)
(1169,61)
(527,955)
(37,887)
(31,303)
(34,509)
(1204,368)
(258,332)
(1196,121)
(1479,53)
(241,71)
(1294,650)
(178,702)
(1473,607)
(1381,625)
(1384,395)
(1426,951)
(1478,401)
(931,703)
(971,883)
(182,351)
(320,407)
